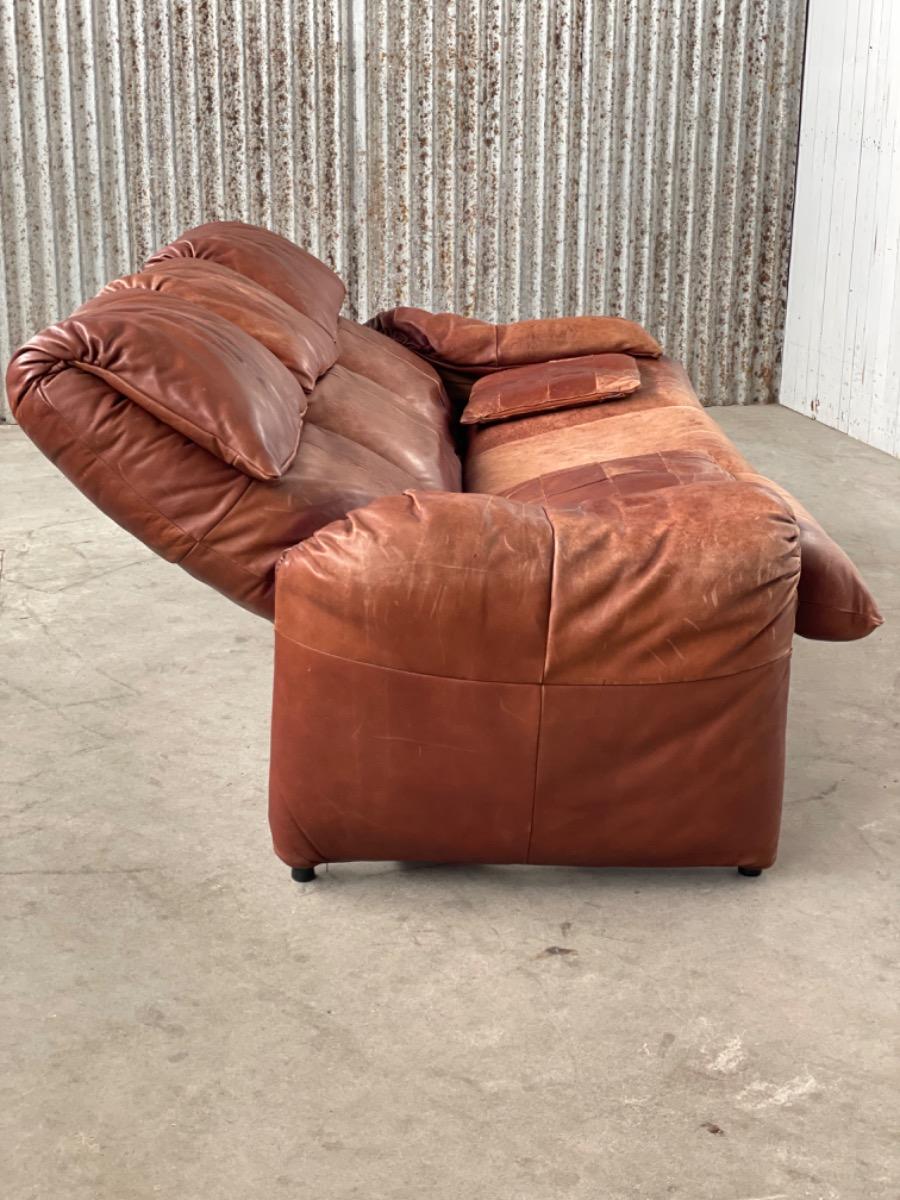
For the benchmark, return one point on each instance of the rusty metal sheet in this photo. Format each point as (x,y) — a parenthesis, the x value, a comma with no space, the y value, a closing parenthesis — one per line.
(495,157)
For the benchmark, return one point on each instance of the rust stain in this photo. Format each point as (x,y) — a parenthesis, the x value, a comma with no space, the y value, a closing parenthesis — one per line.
(497,158)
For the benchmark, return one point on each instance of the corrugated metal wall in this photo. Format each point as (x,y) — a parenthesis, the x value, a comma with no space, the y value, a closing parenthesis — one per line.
(842,349)
(499,157)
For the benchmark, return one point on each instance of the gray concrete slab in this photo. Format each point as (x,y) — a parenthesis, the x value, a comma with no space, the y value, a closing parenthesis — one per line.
(181,1022)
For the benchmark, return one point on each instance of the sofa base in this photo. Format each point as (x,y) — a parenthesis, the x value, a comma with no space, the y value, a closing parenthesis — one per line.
(374,764)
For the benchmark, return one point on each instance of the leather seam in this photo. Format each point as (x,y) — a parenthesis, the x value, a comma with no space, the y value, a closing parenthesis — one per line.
(225,515)
(488,450)
(315,849)
(540,728)
(541,683)
(207,549)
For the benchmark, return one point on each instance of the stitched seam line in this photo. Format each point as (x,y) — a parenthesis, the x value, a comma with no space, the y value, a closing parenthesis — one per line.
(357,662)
(315,849)
(537,744)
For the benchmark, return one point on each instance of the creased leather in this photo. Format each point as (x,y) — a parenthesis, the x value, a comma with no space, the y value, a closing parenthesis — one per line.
(279,265)
(833,602)
(185,365)
(300,343)
(476,347)
(558,678)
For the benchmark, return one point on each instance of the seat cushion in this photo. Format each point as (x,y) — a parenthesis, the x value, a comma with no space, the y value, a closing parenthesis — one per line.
(501,467)
(591,487)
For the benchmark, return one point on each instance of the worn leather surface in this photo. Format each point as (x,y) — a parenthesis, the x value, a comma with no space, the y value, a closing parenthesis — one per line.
(476,347)
(304,347)
(589,488)
(502,466)
(292,274)
(585,660)
(183,364)
(543,387)
(566,636)
(833,602)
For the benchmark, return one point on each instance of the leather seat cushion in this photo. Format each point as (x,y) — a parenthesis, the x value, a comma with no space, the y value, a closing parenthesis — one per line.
(594,486)
(501,467)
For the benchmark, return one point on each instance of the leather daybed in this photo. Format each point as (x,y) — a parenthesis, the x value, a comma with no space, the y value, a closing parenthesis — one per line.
(525,610)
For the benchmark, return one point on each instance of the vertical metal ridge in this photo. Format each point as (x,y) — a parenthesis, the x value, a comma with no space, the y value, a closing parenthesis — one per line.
(488,156)
(511,184)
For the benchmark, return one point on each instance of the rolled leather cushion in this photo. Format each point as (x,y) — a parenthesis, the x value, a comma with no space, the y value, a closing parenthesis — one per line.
(543,387)
(278,265)
(185,365)
(299,342)
(833,602)
(477,347)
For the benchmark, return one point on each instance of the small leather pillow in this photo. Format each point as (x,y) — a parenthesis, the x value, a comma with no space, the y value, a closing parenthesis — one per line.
(480,346)
(296,340)
(188,367)
(542,387)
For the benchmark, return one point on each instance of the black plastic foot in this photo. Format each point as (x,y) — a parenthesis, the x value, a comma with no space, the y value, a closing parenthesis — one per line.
(303,874)
(751,871)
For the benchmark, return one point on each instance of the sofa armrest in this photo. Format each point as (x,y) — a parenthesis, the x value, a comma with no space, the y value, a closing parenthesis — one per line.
(655,587)
(470,678)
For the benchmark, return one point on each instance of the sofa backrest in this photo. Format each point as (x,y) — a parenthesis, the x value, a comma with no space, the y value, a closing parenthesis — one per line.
(216,406)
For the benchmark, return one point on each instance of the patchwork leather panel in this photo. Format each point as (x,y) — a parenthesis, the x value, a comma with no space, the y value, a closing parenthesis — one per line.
(502,467)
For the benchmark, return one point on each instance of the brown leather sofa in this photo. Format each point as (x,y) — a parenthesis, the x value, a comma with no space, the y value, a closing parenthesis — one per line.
(530,603)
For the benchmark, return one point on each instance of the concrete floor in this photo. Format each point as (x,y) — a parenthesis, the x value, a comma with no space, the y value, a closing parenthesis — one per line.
(179,1021)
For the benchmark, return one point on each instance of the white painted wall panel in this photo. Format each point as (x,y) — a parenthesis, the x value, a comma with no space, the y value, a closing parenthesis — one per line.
(508,158)
(842,334)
